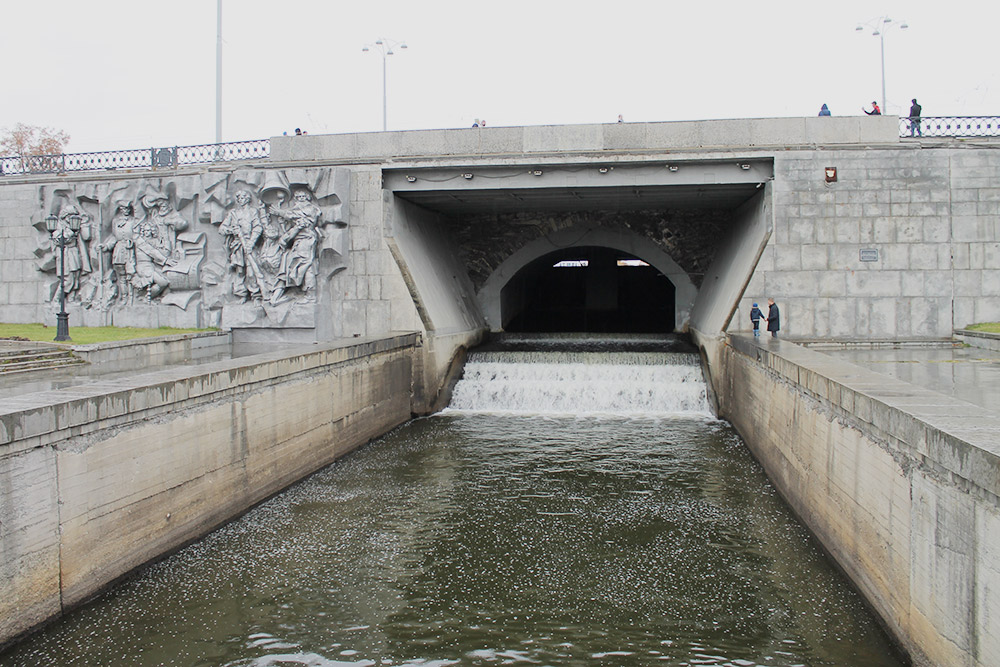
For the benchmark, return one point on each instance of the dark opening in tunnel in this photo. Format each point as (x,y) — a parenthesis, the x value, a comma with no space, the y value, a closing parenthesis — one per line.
(588,289)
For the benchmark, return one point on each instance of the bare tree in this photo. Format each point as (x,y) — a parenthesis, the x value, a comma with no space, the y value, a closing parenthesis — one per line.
(28,142)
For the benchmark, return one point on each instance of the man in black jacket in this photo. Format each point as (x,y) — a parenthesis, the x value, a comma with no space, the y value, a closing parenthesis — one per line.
(915,110)
(773,318)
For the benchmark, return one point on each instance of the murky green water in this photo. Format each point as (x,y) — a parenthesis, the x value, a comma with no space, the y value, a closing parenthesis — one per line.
(481,539)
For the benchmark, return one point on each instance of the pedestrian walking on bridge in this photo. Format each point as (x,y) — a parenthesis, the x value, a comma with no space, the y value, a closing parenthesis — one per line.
(915,110)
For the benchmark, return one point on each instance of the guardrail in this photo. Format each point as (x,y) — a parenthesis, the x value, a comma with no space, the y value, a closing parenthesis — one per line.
(950,126)
(139,158)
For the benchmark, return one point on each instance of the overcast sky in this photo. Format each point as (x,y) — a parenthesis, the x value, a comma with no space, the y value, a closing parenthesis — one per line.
(138,73)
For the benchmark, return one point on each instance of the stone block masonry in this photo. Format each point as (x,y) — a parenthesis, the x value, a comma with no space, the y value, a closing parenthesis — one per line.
(100,479)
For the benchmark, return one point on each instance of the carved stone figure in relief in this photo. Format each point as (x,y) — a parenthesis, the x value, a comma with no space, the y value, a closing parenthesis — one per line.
(121,245)
(243,228)
(166,221)
(299,242)
(150,257)
(75,253)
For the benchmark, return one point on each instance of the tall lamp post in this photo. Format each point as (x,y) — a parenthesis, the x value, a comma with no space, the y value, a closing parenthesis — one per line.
(62,240)
(879,27)
(384,47)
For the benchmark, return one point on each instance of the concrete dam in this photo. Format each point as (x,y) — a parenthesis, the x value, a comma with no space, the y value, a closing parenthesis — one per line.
(396,252)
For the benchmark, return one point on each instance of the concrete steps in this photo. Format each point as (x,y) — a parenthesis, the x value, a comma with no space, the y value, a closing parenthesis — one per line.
(27,357)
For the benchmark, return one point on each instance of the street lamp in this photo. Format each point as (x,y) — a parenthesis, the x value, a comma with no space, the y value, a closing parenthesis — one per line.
(384,46)
(879,27)
(60,237)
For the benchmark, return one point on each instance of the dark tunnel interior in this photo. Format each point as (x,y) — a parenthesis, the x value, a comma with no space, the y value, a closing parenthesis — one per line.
(588,289)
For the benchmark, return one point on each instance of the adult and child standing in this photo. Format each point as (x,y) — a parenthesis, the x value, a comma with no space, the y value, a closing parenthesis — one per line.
(773,318)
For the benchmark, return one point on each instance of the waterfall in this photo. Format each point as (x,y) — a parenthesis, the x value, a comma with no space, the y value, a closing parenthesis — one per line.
(570,375)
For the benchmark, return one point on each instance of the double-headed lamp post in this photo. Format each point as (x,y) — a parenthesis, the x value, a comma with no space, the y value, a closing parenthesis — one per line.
(61,239)
(879,27)
(385,47)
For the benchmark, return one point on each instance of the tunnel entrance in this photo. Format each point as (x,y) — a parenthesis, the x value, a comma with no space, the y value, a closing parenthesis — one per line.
(588,289)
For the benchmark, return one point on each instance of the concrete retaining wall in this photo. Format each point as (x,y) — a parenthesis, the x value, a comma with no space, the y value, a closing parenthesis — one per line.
(149,352)
(900,484)
(100,479)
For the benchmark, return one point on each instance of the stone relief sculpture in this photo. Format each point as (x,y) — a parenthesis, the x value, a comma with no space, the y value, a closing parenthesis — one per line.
(243,228)
(281,235)
(76,253)
(121,246)
(165,220)
(298,243)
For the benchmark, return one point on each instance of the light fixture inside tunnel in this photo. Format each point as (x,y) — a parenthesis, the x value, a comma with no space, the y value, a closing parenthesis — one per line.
(536,172)
(411,179)
(672,167)
(603,170)
(744,166)
(467,177)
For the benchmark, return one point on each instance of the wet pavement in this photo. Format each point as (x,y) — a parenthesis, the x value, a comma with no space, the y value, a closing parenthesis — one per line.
(970,374)
(19,384)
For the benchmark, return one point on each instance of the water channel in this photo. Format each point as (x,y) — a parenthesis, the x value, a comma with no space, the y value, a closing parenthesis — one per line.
(574,506)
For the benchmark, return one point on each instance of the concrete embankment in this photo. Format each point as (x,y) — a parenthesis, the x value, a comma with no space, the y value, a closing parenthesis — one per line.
(900,484)
(101,478)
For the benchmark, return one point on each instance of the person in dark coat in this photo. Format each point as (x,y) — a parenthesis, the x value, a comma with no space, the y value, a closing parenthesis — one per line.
(915,110)
(824,111)
(756,316)
(773,318)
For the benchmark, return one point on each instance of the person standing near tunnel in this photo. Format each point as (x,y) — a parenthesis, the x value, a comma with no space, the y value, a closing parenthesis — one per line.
(773,318)
(756,316)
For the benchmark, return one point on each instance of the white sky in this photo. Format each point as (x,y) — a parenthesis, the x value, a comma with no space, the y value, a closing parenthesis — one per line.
(139,73)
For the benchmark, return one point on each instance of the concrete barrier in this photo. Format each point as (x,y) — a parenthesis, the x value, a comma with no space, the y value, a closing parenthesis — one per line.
(102,478)
(143,353)
(900,484)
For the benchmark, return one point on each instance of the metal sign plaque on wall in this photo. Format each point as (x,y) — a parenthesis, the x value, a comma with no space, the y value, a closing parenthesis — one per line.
(869,254)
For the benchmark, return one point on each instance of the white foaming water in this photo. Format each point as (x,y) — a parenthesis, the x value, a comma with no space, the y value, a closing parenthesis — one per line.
(536,382)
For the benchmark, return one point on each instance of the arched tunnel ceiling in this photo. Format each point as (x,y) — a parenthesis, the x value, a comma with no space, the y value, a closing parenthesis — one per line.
(472,201)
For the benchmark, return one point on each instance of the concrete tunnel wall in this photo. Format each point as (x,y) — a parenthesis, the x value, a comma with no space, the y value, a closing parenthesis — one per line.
(489,297)
(439,286)
(734,265)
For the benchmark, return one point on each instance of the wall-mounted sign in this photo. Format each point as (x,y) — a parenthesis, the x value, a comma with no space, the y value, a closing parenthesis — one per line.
(869,254)
(831,174)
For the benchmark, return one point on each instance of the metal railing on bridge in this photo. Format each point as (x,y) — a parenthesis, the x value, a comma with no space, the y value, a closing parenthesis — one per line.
(139,158)
(950,126)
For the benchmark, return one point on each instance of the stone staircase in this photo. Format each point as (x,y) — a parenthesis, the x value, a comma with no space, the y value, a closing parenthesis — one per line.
(25,357)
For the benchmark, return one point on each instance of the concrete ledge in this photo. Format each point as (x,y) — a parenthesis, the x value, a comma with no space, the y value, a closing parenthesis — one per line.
(983,339)
(899,483)
(568,139)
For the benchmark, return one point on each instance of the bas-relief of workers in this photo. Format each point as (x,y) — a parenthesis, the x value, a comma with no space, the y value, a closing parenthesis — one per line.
(243,228)
(299,243)
(141,250)
(151,257)
(75,251)
(165,220)
(273,248)
(121,245)
(144,247)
